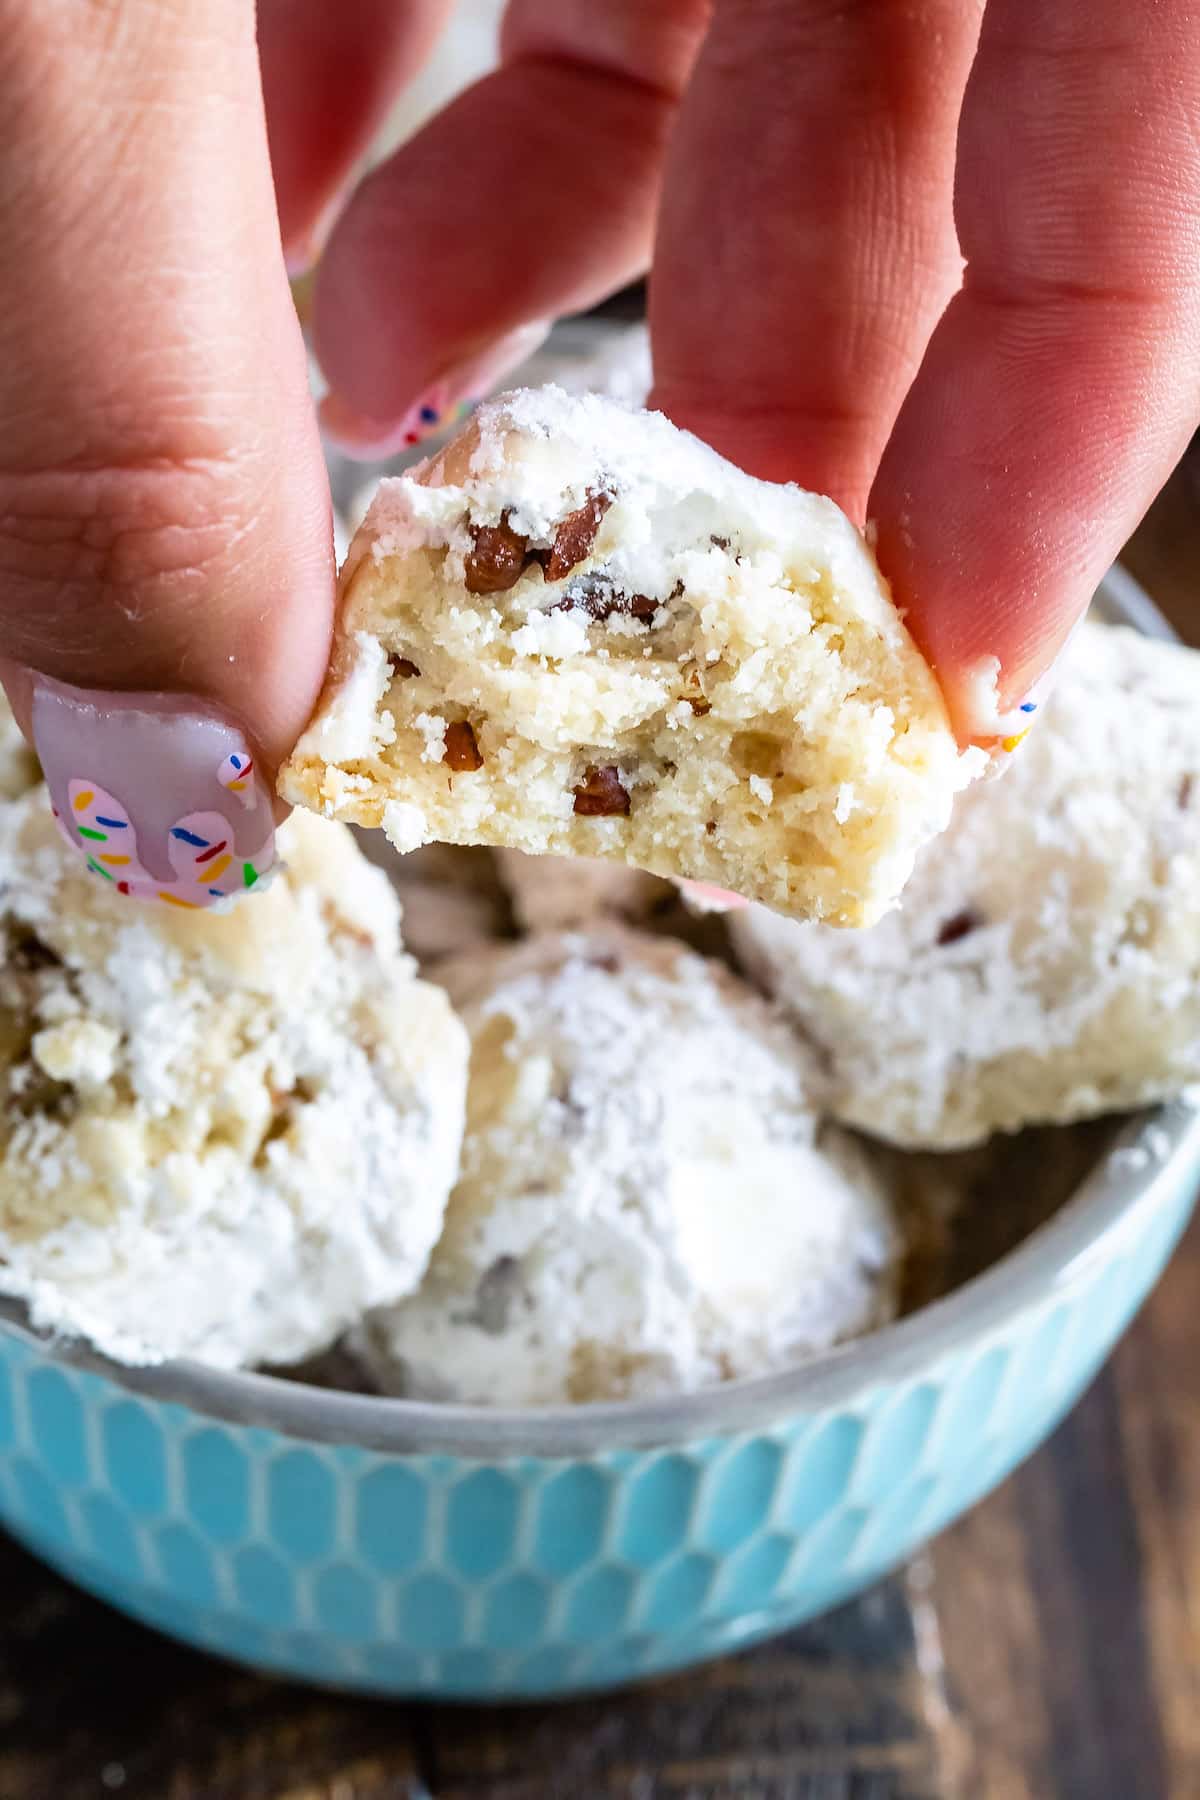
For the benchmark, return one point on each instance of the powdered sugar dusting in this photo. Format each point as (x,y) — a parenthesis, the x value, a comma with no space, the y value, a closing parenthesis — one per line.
(1045,963)
(223,1137)
(646,1204)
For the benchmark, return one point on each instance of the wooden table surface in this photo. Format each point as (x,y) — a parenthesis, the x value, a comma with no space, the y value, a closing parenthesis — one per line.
(1045,1648)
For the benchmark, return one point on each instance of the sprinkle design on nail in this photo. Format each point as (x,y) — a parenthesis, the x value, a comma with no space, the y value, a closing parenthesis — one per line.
(433,415)
(203,857)
(160,794)
(235,773)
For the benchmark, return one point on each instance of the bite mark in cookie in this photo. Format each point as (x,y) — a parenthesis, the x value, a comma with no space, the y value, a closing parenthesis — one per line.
(630,615)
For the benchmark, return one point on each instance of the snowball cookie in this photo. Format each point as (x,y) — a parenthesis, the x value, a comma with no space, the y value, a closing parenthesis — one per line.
(557,893)
(577,630)
(221,1136)
(1046,963)
(645,1205)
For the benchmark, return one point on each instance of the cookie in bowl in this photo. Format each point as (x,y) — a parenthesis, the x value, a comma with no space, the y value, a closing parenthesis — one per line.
(221,1136)
(579,631)
(646,1204)
(1045,963)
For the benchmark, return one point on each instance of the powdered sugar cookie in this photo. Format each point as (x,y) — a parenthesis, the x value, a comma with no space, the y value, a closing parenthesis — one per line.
(645,1205)
(579,631)
(221,1136)
(1045,964)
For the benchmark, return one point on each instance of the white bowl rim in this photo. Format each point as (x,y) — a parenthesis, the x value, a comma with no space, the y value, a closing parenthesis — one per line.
(1150,1157)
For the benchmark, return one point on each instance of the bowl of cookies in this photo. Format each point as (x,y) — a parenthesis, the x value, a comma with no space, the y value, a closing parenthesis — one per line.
(473,1267)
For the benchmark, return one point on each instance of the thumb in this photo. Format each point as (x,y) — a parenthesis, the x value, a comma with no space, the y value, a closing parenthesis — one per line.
(166,576)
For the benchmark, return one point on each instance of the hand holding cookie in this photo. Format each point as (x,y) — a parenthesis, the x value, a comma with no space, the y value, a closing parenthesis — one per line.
(804,183)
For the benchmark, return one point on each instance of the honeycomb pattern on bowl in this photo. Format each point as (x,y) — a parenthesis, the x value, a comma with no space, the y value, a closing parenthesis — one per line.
(443,1575)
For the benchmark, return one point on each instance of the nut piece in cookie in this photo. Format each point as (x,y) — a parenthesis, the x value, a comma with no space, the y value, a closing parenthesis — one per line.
(578,631)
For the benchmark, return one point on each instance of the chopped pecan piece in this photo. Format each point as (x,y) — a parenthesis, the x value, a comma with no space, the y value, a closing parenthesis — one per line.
(694,692)
(499,1287)
(1183,794)
(599,599)
(402,668)
(462,752)
(600,795)
(498,559)
(960,926)
(574,537)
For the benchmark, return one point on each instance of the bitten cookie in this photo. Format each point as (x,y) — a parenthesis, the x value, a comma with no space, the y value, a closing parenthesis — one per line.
(1045,965)
(645,1204)
(220,1136)
(577,630)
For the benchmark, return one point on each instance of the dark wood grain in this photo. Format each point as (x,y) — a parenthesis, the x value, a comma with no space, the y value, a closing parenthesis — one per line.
(1047,1647)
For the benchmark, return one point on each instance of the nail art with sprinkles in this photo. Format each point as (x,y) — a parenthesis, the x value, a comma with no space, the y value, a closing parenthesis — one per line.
(160,795)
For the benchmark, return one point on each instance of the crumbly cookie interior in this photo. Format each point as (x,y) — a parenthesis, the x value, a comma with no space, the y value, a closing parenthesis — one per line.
(580,632)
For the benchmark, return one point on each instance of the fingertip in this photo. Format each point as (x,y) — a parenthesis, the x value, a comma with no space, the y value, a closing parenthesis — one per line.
(444,252)
(998,706)
(438,407)
(356,434)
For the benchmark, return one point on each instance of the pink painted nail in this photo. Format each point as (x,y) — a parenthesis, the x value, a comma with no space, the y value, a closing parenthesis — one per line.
(702,897)
(160,795)
(1003,730)
(302,254)
(447,400)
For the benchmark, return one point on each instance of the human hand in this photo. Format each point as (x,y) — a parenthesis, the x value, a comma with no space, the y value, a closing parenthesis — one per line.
(164,509)
(790,166)
(164,515)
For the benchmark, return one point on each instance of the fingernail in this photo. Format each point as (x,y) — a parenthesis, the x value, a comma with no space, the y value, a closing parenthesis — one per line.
(702,897)
(160,795)
(302,284)
(998,729)
(447,400)
(300,259)
(302,254)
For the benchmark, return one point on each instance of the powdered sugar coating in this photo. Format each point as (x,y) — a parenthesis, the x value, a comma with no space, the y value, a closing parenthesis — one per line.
(645,1204)
(222,1136)
(723,650)
(1045,965)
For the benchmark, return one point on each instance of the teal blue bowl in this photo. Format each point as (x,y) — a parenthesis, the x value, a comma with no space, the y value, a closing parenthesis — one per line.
(403,1548)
